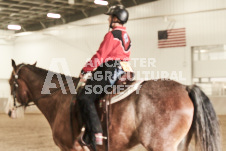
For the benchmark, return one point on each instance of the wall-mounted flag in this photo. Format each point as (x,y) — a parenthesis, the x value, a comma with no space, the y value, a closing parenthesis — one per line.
(172,38)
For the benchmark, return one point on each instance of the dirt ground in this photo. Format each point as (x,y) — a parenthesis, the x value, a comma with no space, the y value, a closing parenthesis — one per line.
(32,133)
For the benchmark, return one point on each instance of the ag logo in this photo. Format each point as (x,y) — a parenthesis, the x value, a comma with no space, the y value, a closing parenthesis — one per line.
(126,39)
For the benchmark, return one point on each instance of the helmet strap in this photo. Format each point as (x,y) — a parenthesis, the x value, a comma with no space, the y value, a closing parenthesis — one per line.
(110,26)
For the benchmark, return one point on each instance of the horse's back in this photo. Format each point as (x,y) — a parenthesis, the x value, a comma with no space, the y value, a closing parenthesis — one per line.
(168,95)
(164,114)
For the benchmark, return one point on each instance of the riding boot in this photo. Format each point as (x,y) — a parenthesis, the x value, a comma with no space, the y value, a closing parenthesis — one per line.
(93,142)
(84,136)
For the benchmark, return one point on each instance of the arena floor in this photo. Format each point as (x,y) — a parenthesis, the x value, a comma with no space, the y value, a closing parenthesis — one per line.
(32,133)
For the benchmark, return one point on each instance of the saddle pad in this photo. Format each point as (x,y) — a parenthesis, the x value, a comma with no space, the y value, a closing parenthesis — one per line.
(133,87)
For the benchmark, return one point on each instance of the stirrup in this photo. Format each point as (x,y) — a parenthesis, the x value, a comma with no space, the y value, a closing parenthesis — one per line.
(80,138)
(81,141)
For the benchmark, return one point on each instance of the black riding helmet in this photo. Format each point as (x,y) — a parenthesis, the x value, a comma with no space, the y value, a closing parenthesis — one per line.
(120,12)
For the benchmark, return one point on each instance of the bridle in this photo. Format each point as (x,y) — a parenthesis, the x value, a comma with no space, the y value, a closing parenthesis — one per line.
(16,85)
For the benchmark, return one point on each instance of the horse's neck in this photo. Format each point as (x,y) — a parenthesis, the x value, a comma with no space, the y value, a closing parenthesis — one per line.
(35,84)
(47,104)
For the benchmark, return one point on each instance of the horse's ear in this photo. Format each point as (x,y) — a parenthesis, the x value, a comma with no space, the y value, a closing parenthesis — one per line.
(35,63)
(14,65)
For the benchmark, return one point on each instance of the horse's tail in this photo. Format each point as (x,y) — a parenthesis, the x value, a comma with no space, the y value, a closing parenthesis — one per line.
(205,126)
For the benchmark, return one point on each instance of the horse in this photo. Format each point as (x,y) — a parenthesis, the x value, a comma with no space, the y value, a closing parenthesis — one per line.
(164,114)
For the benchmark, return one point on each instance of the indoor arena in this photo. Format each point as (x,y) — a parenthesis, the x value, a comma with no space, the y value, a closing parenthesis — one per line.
(171,54)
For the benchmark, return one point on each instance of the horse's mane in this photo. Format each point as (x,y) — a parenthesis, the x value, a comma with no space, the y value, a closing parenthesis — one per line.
(43,72)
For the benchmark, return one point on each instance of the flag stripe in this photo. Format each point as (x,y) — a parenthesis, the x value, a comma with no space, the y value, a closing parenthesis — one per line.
(163,42)
(174,43)
(169,46)
(168,41)
(178,39)
(181,34)
(175,38)
(175,32)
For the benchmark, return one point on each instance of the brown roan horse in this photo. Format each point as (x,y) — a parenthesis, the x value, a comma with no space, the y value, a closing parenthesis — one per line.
(163,116)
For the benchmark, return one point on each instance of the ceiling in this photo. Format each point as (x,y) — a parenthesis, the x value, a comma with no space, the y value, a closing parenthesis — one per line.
(32,14)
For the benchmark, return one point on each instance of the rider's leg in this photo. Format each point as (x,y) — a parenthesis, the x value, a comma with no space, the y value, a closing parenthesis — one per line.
(86,99)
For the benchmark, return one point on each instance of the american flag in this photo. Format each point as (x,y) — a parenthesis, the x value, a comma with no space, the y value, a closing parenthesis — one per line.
(172,38)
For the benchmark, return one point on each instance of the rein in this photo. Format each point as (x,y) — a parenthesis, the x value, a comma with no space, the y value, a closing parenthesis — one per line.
(15,86)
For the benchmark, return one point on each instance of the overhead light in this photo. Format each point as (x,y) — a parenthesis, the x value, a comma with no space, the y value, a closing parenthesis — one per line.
(14,27)
(101,2)
(71,1)
(52,15)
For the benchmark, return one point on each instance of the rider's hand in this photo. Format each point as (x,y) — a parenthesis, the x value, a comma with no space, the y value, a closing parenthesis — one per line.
(82,79)
(81,76)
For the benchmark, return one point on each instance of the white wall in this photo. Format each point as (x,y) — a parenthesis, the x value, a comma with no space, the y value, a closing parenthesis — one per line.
(6,53)
(202,68)
(204,21)
(219,105)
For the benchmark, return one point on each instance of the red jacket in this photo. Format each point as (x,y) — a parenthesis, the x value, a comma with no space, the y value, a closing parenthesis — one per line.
(115,46)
